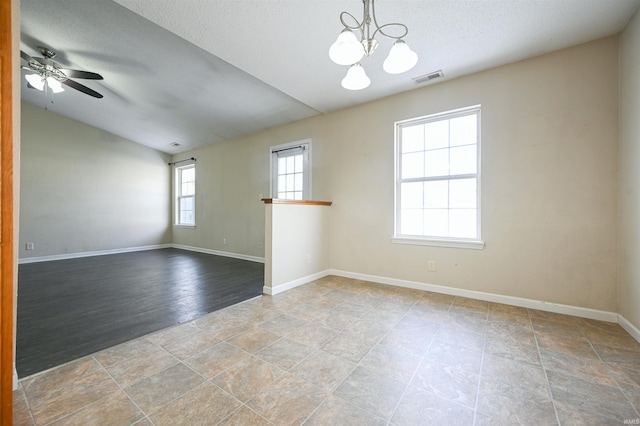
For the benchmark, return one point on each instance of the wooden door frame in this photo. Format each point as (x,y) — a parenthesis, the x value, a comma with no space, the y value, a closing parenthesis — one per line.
(7,293)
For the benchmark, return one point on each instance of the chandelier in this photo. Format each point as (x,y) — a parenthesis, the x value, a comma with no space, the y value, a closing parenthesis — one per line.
(348,50)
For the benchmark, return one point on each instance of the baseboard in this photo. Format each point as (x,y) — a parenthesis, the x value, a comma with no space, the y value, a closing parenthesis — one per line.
(134,249)
(16,381)
(295,283)
(219,253)
(489,297)
(631,329)
(91,253)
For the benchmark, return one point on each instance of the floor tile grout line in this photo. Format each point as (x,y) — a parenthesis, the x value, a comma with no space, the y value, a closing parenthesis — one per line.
(484,346)
(544,370)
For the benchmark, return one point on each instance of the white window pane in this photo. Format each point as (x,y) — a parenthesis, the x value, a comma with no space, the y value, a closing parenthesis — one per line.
(297,163)
(411,222)
(282,184)
(412,139)
(282,165)
(463,160)
(437,163)
(437,134)
(289,182)
(462,223)
(436,194)
(298,181)
(297,195)
(436,222)
(412,165)
(463,194)
(464,130)
(291,164)
(412,196)
(186,203)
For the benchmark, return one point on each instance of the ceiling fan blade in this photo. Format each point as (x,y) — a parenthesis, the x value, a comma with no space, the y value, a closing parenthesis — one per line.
(82,88)
(26,57)
(81,74)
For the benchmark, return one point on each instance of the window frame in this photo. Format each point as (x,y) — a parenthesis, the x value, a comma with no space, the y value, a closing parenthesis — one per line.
(438,241)
(178,195)
(306,167)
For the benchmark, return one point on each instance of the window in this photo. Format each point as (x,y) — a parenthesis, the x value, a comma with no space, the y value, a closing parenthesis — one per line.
(186,195)
(290,174)
(438,179)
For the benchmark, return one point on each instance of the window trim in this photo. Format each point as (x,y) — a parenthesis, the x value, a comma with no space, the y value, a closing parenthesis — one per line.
(306,167)
(452,242)
(176,199)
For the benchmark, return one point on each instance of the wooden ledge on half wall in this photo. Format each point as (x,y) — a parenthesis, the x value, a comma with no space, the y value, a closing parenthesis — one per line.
(302,202)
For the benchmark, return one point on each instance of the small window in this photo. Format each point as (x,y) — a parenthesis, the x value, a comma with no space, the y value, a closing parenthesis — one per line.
(186,195)
(290,174)
(438,179)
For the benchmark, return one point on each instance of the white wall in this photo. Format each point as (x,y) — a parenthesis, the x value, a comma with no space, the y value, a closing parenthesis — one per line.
(85,190)
(549,181)
(629,289)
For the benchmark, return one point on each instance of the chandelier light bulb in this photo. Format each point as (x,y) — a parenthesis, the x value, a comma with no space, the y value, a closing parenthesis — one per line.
(401,58)
(35,81)
(346,50)
(356,78)
(54,85)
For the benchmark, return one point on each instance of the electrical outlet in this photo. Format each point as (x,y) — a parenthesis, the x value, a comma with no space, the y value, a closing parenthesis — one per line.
(432,265)
(260,245)
(224,241)
(30,246)
(309,258)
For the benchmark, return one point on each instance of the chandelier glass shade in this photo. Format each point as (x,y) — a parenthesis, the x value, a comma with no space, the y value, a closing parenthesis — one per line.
(349,50)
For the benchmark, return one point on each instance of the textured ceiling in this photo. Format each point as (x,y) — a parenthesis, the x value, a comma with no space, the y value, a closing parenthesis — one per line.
(200,71)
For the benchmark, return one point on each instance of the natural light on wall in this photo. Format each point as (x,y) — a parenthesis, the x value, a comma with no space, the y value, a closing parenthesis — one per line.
(438,178)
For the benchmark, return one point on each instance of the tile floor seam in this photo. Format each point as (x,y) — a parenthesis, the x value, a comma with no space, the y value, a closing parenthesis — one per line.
(144,415)
(546,376)
(422,359)
(484,345)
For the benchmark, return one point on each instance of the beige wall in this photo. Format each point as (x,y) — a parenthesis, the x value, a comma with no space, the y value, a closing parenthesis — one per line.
(629,148)
(84,190)
(297,244)
(549,182)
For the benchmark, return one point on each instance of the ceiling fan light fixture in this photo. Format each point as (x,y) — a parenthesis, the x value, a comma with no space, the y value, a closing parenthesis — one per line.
(356,78)
(35,81)
(401,58)
(346,50)
(54,85)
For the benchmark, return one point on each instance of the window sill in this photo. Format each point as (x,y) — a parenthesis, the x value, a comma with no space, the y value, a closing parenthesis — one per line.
(474,245)
(183,226)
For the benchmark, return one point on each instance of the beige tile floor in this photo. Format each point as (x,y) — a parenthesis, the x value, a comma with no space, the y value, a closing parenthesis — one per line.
(346,352)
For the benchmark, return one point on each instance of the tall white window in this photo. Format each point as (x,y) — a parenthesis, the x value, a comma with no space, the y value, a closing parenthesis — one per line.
(438,179)
(186,195)
(290,171)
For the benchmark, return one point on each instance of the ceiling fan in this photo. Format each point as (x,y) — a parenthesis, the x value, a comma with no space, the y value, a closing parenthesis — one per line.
(50,74)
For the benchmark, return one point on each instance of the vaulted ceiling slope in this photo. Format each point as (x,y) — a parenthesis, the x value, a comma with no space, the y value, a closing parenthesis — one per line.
(197,72)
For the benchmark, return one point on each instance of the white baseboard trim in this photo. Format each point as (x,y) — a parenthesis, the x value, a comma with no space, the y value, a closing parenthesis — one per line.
(219,253)
(90,253)
(295,283)
(15,379)
(134,249)
(631,329)
(489,297)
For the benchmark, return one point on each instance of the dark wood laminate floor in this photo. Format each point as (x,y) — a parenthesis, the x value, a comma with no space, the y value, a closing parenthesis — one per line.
(71,308)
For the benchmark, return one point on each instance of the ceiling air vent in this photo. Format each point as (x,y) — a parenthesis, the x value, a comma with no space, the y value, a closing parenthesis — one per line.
(428,77)
(174,144)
